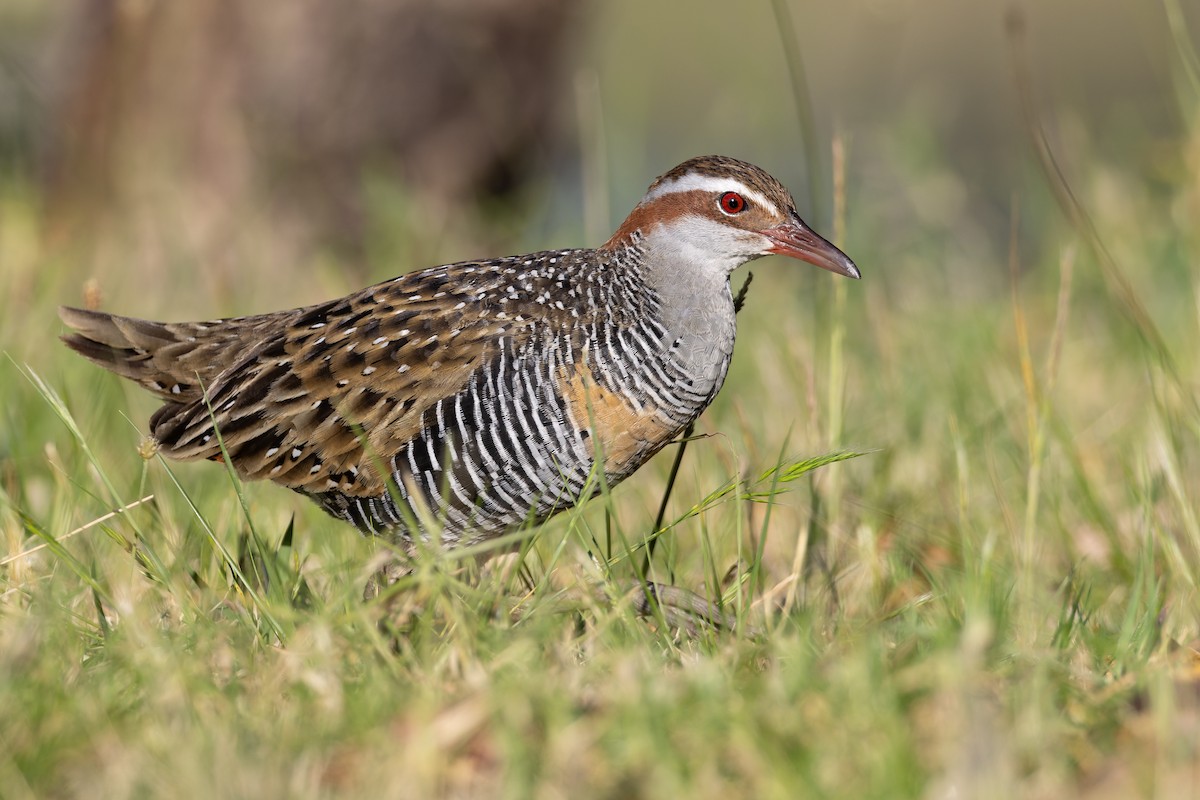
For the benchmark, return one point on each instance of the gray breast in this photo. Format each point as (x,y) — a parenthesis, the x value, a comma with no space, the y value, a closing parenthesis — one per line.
(699,321)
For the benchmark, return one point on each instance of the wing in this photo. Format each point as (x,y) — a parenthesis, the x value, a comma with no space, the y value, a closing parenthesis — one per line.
(331,392)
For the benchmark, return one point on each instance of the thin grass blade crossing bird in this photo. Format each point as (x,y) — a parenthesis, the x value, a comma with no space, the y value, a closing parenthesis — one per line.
(482,392)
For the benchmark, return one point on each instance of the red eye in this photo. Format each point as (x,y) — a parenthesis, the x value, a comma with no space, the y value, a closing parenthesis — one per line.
(733,203)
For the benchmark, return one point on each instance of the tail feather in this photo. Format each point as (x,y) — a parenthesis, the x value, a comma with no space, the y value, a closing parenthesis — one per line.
(172,360)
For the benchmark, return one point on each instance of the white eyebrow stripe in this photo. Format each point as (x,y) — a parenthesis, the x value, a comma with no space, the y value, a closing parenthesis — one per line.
(707,183)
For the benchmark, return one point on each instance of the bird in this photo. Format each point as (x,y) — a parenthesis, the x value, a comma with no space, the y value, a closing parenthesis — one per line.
(460,402)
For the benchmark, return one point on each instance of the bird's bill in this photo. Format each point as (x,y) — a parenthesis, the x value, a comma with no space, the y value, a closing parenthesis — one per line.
(794,238)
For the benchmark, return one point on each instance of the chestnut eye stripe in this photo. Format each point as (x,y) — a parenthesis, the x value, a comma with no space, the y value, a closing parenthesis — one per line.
(708,183)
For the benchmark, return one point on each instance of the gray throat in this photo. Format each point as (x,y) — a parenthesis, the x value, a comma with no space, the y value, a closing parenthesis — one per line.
(697,312)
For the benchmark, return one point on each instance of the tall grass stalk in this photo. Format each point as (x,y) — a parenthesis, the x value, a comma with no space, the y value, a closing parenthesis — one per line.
(1189,61)
(141,546)
(81,529)
(1038,404)
(1116,282)
(836,382)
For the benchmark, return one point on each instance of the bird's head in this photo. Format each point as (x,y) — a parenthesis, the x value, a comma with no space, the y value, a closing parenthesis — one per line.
(718,213)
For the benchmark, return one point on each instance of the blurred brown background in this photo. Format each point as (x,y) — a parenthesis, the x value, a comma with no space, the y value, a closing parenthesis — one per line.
(234,147)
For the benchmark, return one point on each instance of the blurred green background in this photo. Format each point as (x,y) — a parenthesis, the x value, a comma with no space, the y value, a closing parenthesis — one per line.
(174,139)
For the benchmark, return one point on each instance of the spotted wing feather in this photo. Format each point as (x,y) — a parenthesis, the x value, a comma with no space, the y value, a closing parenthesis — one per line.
(323,399)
